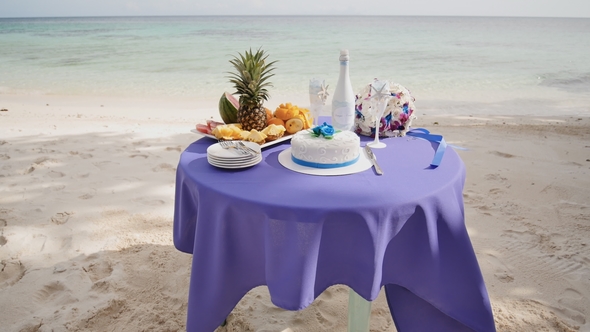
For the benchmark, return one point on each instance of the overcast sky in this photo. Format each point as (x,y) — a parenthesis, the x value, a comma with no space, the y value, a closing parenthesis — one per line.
(534,8)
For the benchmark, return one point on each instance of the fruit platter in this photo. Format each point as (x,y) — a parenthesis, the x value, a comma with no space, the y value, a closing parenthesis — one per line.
(245,118)
(207,131)
(279,126)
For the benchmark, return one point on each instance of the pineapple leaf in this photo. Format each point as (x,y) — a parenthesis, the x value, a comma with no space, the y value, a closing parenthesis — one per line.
(251,75)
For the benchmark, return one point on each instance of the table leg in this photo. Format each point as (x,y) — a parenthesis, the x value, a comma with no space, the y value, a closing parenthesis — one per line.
(359,311)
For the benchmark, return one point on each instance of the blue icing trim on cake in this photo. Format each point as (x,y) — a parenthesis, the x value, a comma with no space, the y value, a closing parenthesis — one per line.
(318,165)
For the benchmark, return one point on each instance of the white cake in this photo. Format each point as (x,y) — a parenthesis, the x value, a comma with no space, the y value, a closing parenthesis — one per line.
(343,149)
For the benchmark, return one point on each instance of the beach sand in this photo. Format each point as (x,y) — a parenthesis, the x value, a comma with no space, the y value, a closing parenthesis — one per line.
(86,208)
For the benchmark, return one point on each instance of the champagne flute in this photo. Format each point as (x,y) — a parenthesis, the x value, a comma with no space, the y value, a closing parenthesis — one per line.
(317,98)
(380,98)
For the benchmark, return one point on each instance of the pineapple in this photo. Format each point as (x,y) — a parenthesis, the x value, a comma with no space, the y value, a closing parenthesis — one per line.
(250,81)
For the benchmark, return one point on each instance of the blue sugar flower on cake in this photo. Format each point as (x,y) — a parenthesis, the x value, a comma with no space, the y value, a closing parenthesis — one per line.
(397,118)
(325,130)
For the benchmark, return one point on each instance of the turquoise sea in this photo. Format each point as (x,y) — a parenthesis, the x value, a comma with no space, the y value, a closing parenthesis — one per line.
(450,64)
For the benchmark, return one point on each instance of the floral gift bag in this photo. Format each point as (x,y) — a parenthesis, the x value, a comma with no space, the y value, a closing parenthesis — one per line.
(397,118)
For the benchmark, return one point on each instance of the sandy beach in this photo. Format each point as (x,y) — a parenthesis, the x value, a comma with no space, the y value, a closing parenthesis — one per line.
(87,202)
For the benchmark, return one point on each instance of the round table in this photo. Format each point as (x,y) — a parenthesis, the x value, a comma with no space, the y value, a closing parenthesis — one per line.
(299,234)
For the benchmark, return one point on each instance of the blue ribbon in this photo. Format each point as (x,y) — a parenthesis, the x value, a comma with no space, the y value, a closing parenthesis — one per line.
(425,134)
(318,165)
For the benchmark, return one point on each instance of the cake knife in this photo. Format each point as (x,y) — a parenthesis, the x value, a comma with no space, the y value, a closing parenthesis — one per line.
(373,160)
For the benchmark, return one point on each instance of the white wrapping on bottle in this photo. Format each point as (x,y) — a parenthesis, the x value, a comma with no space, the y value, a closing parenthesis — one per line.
(344,99)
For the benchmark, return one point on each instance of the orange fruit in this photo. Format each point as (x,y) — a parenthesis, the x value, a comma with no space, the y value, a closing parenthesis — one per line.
(286,111)
(293,125)
(275,121)
(306,117)
(268,114)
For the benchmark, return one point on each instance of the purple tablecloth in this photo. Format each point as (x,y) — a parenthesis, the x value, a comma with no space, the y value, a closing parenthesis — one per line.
(299,234)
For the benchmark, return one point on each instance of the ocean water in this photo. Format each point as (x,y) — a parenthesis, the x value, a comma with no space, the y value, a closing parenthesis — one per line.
(450,64)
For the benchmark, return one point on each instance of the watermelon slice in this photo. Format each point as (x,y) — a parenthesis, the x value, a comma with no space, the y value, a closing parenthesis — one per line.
(228,108)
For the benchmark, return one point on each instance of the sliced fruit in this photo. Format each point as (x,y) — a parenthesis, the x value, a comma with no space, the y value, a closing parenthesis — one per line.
(273,132)
(306,117)
(227,132)
(212,124)
(228,108)
(293,125)
(203,128)
(256,137)
(286,111)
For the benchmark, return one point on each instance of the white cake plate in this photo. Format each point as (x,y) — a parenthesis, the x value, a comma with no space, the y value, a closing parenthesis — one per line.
(361,165)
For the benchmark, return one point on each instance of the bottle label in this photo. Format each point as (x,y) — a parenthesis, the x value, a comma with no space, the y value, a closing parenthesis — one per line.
(343,117)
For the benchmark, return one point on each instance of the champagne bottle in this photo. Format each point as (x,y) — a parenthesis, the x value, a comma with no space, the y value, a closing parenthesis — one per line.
(344,98)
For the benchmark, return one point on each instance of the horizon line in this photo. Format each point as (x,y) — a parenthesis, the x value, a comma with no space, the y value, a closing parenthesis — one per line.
(294,15)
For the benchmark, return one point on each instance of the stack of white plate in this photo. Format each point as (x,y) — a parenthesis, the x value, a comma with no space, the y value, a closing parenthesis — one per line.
(234,157)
